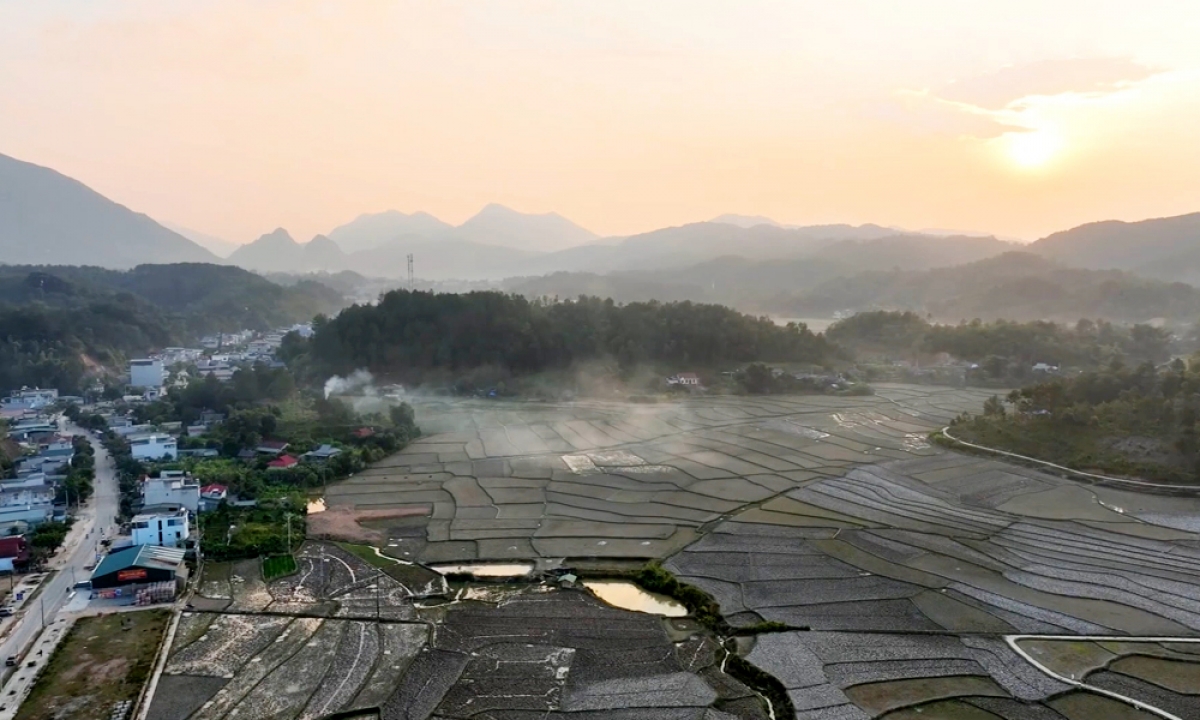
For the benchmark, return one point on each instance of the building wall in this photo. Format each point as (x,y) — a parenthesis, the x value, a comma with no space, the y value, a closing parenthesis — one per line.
(154,450)
(159,530)
(146,374)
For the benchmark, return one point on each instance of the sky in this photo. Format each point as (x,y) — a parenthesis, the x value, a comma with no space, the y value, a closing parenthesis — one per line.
(233,117)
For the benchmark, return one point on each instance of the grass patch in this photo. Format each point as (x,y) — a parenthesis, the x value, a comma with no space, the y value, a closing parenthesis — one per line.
(278,566)
(102,661)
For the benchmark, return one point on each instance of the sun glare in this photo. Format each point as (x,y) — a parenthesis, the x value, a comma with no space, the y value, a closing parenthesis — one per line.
(1032,149)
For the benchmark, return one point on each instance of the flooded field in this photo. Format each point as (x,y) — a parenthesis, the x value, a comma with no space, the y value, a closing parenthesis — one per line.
(628,596)
(872,574)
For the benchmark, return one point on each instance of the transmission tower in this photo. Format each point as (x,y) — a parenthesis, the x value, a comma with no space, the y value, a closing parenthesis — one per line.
(411,283)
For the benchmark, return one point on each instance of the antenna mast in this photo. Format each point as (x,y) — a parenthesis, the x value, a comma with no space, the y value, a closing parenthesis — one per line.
(411,284)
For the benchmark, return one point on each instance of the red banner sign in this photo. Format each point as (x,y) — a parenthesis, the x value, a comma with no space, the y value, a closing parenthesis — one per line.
(134,574)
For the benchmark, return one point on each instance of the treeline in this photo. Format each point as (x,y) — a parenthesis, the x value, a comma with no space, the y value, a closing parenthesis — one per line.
(1002,345)
(422,331)
(1138,421)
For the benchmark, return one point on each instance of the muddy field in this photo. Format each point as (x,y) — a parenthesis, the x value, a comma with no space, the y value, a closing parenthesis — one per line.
(916,582)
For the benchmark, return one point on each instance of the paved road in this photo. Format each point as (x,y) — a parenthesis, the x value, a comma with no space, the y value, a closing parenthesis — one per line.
(79,550)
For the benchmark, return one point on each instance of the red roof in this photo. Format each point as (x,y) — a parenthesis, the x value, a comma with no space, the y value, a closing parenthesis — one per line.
(214,488)
(364,432)
(14,547)
(283,461)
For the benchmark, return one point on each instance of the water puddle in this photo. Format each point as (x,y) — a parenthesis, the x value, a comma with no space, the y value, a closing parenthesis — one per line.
(483,570)
(316,506)
(628,596)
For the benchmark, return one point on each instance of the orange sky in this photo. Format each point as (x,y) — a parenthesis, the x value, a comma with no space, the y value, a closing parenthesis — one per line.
(232,117)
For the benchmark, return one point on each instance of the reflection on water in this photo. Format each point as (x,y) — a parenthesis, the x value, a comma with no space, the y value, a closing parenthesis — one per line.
(628,596)
(487,570)
(316,506)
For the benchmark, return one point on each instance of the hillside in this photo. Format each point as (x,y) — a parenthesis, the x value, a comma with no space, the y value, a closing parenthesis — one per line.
(754,284)
(1016,286)
(192,298)
(1165,248)
(56,321)
(47,217)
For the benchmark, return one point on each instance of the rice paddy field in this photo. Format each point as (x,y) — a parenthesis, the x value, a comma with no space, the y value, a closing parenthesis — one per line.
(898,579)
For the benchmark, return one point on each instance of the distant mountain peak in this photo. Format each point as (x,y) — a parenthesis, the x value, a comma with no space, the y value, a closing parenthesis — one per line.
(48,218)
(497,224)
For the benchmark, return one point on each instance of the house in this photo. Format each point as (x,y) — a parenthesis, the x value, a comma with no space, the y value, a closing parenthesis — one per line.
(214,492)
(321,454)
(14,553)
(169,529)
(283,462)
(246,455)
(26,399)
(687,379)
(271,447)
(196,430)
(1045,367)
(141,564)
(146,373)
(154,447)
(173,489)
(29,505)
(364,432)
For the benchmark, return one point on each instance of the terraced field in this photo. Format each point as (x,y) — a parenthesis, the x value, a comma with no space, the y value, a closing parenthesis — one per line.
(916,582)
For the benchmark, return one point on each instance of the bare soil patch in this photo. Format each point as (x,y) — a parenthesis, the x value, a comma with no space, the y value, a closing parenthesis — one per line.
(344,523)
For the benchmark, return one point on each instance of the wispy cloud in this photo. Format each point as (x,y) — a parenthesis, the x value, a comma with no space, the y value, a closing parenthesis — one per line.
(1078,76)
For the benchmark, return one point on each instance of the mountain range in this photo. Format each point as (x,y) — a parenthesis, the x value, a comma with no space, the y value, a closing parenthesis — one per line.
(48,218)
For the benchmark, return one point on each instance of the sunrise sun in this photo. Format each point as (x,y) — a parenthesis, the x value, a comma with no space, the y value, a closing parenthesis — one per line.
(1033,149)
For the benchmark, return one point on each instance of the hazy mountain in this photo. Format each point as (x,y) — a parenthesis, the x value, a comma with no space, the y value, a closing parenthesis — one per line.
(1149,244)
(373,230)
(498,225)
(686,245)
(440,259)
(756,284)
(744,221)
(48,218)
(913,252)
(215,245)
(1014,286)
(278,252)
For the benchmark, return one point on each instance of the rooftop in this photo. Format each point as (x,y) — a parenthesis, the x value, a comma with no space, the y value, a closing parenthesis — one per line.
(147,556)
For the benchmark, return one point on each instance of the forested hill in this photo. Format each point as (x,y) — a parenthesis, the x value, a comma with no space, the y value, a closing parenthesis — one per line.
(415,331)
(59,324)
(194,298)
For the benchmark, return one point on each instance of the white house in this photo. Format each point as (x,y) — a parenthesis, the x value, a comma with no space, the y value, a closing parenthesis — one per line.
(691,379)
(31,505)
(154,447)
(173,490)
(169,529)
(146,373)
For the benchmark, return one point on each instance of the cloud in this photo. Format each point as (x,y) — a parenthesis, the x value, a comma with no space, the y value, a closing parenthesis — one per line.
(1082,76)
(925,114)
